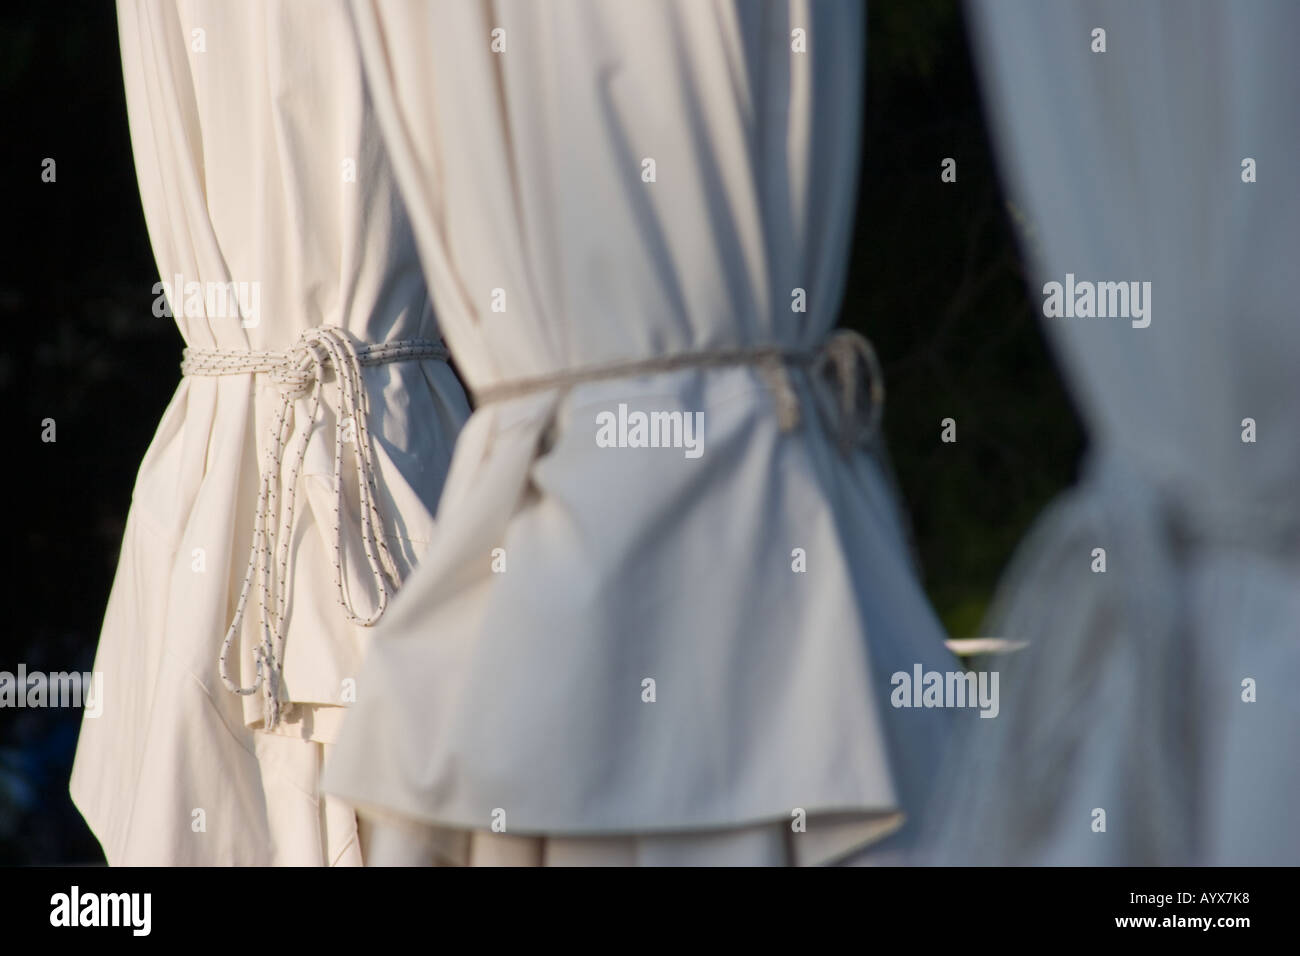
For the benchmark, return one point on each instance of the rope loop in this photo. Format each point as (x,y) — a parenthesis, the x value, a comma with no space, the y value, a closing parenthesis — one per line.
(300,373)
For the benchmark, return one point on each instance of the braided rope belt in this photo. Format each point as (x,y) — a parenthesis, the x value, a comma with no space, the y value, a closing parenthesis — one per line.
(301,371)
(839,359)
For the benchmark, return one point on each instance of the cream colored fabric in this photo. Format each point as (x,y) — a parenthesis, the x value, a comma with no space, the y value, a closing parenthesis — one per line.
(509,680)
(1129,734)
(768,844)
(259,162)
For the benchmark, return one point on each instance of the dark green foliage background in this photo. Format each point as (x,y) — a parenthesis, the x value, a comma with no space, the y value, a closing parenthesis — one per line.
(936,283)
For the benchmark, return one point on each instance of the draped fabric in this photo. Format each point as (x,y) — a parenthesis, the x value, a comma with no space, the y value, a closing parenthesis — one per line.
(632,643)
(261,171)
(1159,691)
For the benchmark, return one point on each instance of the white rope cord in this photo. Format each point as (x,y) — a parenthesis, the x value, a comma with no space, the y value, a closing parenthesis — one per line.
(842,354)
(300,371)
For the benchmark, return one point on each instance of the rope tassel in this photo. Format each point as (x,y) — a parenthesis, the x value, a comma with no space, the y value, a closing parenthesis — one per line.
(301,372)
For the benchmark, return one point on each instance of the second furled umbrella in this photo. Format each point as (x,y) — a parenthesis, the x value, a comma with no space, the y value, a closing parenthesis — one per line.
(671,643)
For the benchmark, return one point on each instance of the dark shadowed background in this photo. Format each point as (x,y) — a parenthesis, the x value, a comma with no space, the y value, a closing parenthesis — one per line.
(935,282)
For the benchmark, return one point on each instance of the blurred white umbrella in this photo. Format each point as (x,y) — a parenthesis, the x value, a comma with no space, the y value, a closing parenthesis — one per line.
(1153,717)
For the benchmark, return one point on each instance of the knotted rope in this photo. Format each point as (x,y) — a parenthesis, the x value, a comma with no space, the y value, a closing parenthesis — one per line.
(839,359)
(298,372)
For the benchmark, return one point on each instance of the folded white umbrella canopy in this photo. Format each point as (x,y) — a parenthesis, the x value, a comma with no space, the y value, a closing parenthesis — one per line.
(295,282)
(642,654)
(1158,697)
